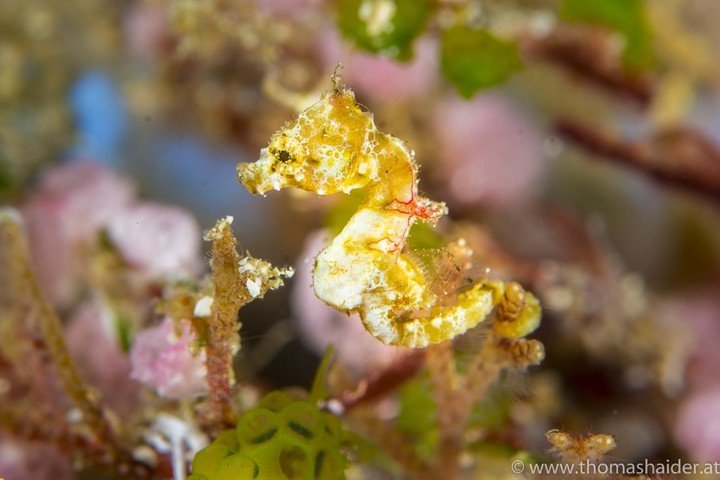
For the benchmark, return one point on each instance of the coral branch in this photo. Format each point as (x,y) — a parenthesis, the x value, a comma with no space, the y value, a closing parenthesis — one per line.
(591,54)
(77,445)
(451,413)
(680,157)
(25,295)
(397,446)
(222,335)
(384,382)
(236,281)
(456,395)
(499,353)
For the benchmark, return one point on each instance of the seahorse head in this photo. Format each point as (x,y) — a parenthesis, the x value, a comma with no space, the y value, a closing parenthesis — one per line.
(326,149)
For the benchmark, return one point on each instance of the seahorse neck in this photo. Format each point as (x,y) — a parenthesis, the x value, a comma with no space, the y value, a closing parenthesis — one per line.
(396,175)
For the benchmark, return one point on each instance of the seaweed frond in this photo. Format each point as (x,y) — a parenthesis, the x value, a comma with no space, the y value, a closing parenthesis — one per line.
(24,306)
(236,281)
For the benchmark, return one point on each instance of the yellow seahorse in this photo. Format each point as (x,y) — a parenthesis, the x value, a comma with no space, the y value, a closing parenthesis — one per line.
(334,146)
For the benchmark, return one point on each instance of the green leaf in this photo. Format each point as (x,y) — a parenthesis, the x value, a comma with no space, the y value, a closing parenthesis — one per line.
(418,416)
(283,438)
(423,236)
(124,331)
(492,411)
(387,27)
(105,241)
(473,59)
(339,215)
(627,17)
(7,185)
(319,390)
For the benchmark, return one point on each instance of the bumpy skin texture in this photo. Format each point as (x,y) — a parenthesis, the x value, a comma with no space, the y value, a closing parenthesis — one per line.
(334,146)
(279,439)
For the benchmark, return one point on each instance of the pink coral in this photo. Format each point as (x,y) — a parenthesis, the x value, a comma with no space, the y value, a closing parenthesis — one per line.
(161,359)
(701,314)
(147,31)
(159,239)
(697,428)
(75,201)
(72,202)
(490,154)
(382,78)
(289,8)
(320,325)
(94,345)
(20,460)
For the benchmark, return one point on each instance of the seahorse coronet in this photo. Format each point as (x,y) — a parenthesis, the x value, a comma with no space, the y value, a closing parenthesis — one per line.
(334,146)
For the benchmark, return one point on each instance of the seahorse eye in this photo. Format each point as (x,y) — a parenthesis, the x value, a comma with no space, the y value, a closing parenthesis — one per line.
(284,156)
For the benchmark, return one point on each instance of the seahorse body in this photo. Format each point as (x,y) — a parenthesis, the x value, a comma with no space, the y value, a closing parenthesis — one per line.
(332,147)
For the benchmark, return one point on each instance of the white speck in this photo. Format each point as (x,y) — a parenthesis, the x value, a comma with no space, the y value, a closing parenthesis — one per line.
(244,265)
(542,23)
(10,214)
(552,147)
(253,287)
(157,441)
(170,434)
(335,406)
(203,307)
(75,415)
(145,454)
(173,337)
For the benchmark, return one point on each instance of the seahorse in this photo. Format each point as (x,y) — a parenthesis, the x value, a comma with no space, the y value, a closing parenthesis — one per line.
(334,146)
